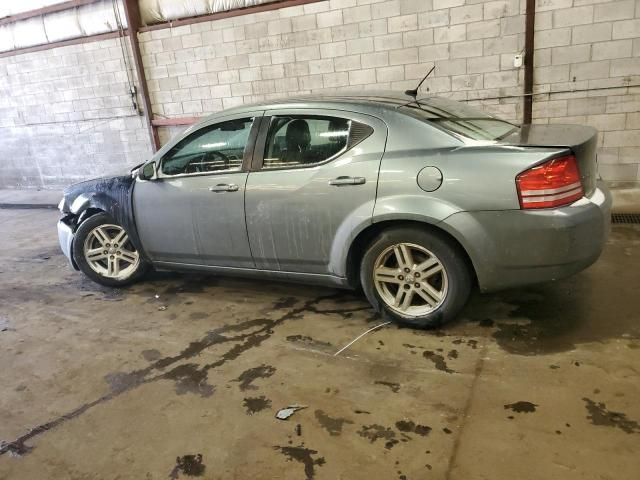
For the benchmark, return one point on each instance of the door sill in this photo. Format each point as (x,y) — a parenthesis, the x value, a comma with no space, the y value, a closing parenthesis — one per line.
(308,278)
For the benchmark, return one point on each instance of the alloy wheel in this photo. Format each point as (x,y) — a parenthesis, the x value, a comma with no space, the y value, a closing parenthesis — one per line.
(410,279)
(109,252)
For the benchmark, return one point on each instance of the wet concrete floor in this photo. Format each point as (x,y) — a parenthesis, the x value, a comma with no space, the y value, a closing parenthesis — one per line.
(541,382)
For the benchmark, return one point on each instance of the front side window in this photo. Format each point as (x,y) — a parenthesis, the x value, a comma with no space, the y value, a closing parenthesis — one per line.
(301,141)
(215,148)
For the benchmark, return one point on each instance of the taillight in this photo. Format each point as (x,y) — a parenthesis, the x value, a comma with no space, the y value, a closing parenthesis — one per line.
(553,184)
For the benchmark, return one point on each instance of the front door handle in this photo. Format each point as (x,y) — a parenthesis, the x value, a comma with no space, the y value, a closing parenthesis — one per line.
(340,181)
(224,187)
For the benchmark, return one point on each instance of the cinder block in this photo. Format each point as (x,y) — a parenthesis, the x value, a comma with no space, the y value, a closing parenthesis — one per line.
(192,40)
(626,29)
(333,49)
(451,67)
(608,122)
(454,33)
(466,14)
(438,4)
(486,29)
(417,38)
(466,82)
(596,32)
(627,138)
(483,64)
(334,80)
(625,67)
(350,62)
(432,53)
(543,5)
(506,44)
(556,38)
(220,91)
(362,77)
(230,76)
(361,45)
(192,106)
(304,23)
(357,14)
(311,52)
(392,41)
(438,18)
(329,19)
(403,23)
(586,106)
(471,48)
(320,66)
(620,10)
(590,70)
(613,49)
(572,54)
(373,27)
(403,56)
(259,59)
(378,59)
(390,8)
(573,16)
(501,79)
(390,74)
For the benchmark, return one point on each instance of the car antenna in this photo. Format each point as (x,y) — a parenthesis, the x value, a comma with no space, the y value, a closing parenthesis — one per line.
(414,93)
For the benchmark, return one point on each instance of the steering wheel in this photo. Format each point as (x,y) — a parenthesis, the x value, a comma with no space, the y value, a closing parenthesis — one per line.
(198,166)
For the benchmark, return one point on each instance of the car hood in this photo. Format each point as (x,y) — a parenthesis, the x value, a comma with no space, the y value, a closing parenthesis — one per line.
(115,187)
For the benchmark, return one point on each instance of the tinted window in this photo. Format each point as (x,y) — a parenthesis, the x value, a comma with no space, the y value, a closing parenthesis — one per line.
(215,148)
(460,118)
(296,141)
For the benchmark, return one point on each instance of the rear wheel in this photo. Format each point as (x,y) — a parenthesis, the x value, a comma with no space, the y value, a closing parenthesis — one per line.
(104,252)
(416,277)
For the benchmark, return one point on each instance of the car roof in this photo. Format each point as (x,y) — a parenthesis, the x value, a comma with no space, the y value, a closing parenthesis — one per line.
(372,100)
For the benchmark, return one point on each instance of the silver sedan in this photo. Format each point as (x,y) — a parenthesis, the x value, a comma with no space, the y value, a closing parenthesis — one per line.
(414,200)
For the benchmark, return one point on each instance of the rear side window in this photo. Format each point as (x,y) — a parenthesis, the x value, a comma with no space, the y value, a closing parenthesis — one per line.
(301,141)
(459,118)
(215,148)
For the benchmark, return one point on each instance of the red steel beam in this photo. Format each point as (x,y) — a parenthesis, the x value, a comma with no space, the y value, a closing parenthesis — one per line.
(62,43)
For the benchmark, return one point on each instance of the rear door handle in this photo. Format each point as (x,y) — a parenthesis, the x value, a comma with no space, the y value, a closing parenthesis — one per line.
(340,181)
(224,187)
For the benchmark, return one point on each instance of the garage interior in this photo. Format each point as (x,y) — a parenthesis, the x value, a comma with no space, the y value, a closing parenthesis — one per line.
(182,375)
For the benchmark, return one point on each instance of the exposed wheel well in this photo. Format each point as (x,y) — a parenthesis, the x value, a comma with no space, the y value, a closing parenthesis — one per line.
(89,212)
(363,240)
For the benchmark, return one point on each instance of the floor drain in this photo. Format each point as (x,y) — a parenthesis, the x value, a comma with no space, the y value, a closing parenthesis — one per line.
(625,218)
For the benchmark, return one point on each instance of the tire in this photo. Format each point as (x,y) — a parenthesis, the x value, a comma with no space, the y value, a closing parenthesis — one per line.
(100,267)
(432,293)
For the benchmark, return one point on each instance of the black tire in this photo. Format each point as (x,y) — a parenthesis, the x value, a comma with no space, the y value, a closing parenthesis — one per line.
(459,276)
(78,254)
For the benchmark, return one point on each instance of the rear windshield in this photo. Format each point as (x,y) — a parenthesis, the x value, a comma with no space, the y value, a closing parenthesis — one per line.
(461,119)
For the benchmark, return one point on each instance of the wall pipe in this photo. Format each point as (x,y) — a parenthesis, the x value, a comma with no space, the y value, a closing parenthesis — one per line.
(529,31)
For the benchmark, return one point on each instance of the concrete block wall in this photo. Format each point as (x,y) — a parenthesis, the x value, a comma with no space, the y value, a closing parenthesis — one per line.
(588,49)
(592,45)
(66,116)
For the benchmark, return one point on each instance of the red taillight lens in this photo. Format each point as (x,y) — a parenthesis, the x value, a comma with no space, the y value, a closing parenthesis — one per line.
(552,184)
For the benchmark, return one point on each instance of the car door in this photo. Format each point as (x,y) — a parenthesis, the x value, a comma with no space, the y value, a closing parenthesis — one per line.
(193,212)
(314,177)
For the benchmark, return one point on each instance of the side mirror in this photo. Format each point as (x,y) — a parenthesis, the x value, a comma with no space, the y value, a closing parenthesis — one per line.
(147,171)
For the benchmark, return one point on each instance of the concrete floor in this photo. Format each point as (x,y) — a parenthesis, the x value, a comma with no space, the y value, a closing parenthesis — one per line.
(537,383)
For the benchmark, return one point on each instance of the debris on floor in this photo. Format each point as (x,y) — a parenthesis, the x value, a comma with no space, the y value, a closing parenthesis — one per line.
(359,337)
(4,324)
(285,413)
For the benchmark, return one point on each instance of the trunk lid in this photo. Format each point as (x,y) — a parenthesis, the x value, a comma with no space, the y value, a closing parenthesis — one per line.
(581,140)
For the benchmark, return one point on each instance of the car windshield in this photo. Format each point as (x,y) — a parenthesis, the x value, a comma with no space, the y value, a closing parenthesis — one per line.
(460,119)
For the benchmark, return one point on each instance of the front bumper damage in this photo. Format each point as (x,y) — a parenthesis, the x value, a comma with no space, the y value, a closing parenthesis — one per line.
(65,237)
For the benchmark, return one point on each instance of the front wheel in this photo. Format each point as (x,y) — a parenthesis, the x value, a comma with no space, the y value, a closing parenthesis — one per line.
(104,252)
(416,277)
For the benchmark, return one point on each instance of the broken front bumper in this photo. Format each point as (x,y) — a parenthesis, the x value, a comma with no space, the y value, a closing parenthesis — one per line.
(65,237)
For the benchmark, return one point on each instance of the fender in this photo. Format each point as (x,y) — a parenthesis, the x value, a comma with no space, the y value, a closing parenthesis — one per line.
(112,195)
(419,207)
